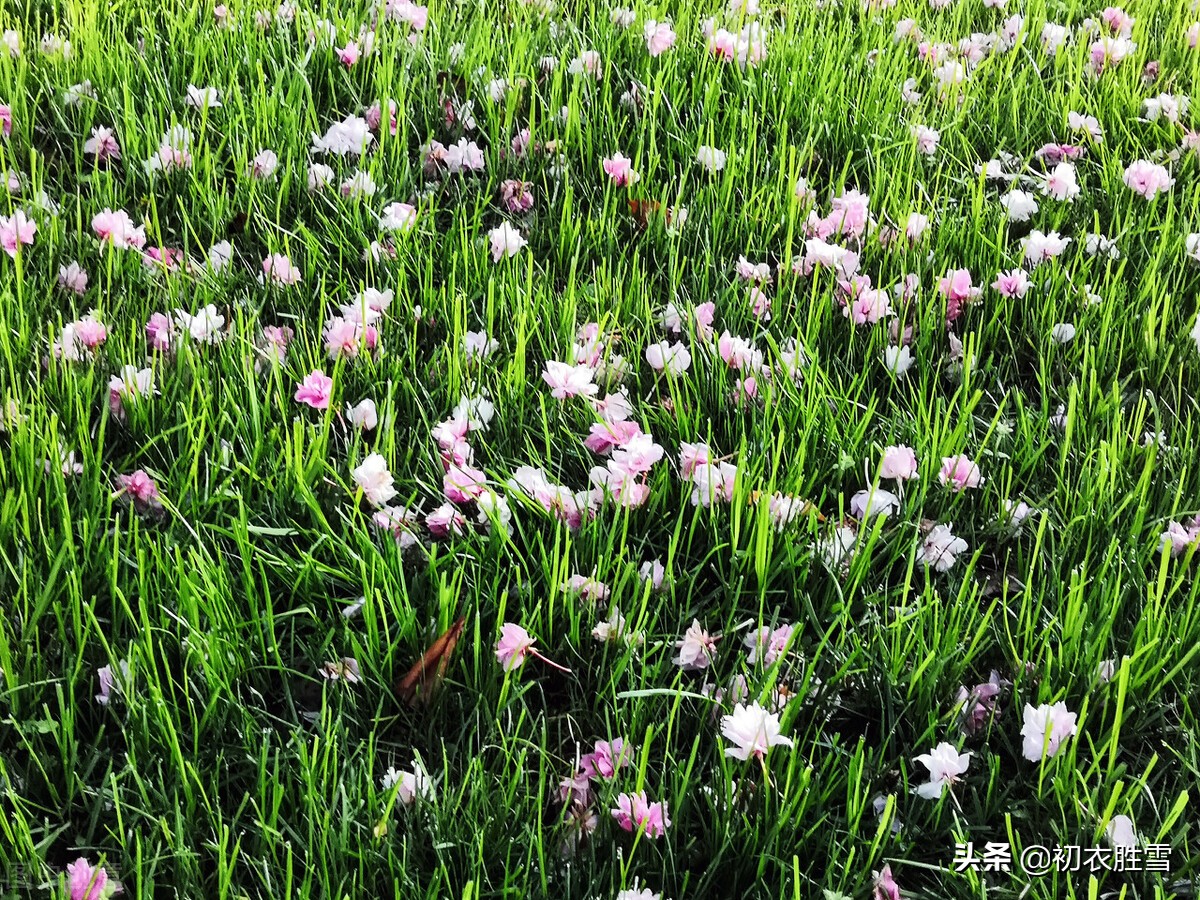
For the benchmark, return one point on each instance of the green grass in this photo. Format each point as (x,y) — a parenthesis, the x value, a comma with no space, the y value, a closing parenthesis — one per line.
(227,767)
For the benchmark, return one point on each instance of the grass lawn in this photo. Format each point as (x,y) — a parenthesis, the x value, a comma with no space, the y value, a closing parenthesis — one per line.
(533,449)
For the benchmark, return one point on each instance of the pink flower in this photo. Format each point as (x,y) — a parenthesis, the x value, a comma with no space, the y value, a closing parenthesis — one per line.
(102,144)
(445,521)
(88,882)
(620,170)
(959,472)
(979,704)
(516,195)
(713,482)
(315,390)
(463,484)
(116,229)
(697,649)
(569,381)
(608,758)
(768,644)
(275,342)
(279,269)
(349,54)
(374,116)
(607,435)
(659,37)
(692,456)
(90,331)
(514,646)
(16,231)
(160,331)
(141,488)
(1013,283)
(1147,179)
(634,812)
(5,119)
(898,462)
(956,287)
(885,887)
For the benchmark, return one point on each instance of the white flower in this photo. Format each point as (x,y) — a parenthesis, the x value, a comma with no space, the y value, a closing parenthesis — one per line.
(1078,122)
(351,135)
(945,764)
(898,360)
(1046,728)
(623,18)
(132,382)
(203,98)
(673,358)
(375,479)
(412,784)
(711,158)
(1196,332)
(1062,333)
(398,217)
(1039,247)
(364,416)
(220,255)
(1099,245)
(753,732)
(941,548)
(358,185)
(506,241)
(838,548)
(927,139)
(1019,205)
(477,345)
(319,176)
(264,164)
(868,504)
(1120,832)
(204,327)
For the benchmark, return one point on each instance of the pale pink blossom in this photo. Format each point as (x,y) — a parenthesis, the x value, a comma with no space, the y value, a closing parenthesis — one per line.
(659,37)
(752,731)
(567,380)
(672,358)
(945,765)
(941,548)
(959,472)
(898,462)
(280,270)
(1147,179)
(1013,283)
(1045,730)
(514,646)
(506,241)
(766,644)
(102,144)
(16,230)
